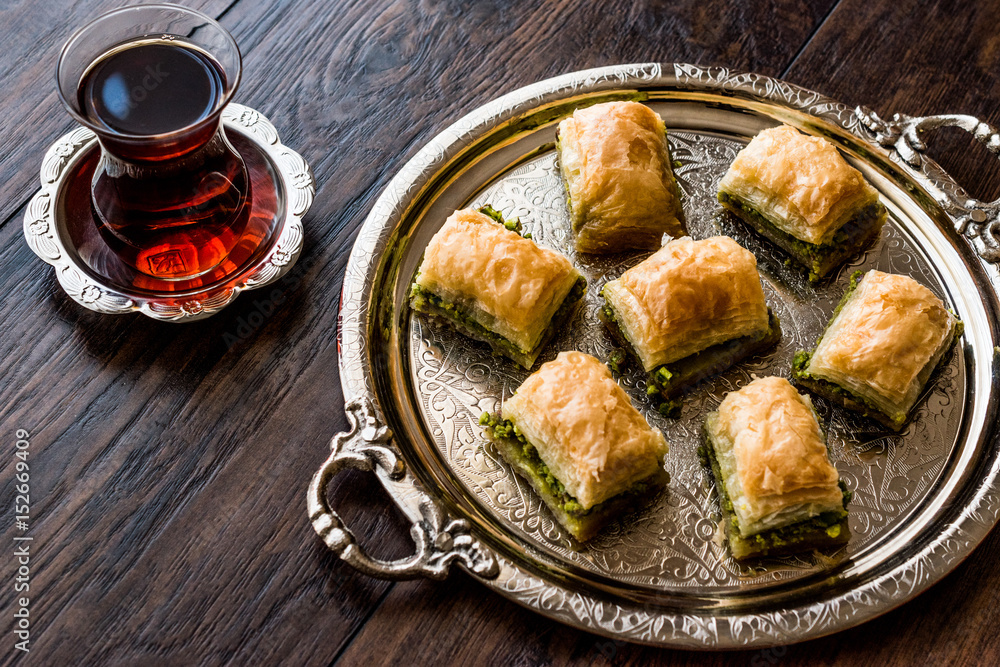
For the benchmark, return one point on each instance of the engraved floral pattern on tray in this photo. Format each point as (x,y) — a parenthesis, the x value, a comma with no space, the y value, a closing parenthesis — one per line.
(914,565)
(669,543)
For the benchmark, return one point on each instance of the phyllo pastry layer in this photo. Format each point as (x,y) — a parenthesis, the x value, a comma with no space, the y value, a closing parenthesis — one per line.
(687,296)
(616,166)
(691,309)
(572,432)
(799,192)
(886,337)
(777,486)
(492,284)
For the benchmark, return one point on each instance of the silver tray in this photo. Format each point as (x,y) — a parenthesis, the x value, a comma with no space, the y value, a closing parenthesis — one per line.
(923,499)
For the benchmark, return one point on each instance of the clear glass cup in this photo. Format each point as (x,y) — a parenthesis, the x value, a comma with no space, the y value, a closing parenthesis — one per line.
(170,195)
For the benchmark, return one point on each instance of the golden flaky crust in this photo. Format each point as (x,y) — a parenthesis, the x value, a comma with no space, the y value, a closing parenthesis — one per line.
(885,341)
(688,296)
(616,165)
(769,433)
(801,184)
(510,285)
(585,428)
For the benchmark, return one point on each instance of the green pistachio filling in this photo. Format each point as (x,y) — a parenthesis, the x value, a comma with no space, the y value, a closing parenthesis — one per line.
(430,303)
(427,302)
(823,529)
(669,380)
(671,164)
(511,225)
(817,258)
(618,360)
(460,315)
(505,429)
(800,365)
(800,362)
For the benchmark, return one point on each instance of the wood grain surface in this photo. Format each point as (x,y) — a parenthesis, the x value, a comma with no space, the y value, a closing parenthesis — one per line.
(169,464)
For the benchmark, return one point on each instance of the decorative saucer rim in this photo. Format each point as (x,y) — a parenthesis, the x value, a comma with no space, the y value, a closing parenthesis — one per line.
(41,230)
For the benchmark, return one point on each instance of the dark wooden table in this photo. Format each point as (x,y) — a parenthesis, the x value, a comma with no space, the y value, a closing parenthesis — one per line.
(168,466)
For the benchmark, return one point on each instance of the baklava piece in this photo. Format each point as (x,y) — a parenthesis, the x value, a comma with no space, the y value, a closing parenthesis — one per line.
(778,491)
(799,192)
(690,310)
(885,339)
(621,189)
(573,434)
(482,277)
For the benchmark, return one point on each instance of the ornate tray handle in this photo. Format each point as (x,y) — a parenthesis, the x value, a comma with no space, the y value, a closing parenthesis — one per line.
(439,539)
(979,221)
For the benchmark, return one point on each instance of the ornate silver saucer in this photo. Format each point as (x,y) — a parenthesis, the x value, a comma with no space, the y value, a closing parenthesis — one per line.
(59,238)
(923,499)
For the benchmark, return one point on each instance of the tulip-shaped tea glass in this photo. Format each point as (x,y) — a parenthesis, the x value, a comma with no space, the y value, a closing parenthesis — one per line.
(170,195)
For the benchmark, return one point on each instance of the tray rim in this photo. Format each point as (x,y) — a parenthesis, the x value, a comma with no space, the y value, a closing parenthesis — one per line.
(603,616)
